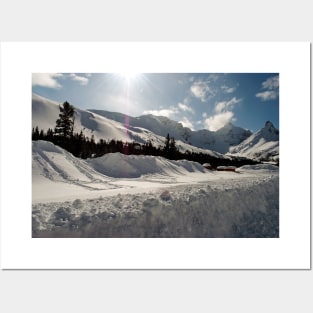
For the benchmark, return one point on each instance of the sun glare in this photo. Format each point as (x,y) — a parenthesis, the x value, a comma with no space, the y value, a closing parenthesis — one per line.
(129,75)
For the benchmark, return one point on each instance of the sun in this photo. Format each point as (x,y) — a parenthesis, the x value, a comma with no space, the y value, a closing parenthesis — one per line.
(129,75)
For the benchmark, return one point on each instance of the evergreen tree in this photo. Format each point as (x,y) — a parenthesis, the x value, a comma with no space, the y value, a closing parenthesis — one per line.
(35,133)
(170,150)
(49,134)
(166,148)
(173,149)
(41,135)
(65,123)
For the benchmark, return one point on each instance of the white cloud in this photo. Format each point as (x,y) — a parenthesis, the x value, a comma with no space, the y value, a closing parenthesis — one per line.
(271,83)
(217,121)
(227,89)
(202,90)
(48,80)
(185,107)
(226,105)
(271,86)
(82,80)
(219,107)
(187,123)
(267,95)
(214,77)
(223,114)
(162,112)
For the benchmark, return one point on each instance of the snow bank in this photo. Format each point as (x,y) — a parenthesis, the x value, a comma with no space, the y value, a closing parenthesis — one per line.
(133,166)
(240,209)
(258,167)
(57,175)
(56,164)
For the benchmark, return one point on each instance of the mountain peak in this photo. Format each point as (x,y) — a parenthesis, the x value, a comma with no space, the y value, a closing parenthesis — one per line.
(269,124)
(264,144)
(271,131)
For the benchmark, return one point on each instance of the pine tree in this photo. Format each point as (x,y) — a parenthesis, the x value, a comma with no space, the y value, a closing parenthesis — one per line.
(167,146)
(35,133)
(49,134)
(41,135)
(65,123)
(172,148)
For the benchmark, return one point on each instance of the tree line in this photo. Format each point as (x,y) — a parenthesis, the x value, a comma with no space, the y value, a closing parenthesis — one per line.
(84,147)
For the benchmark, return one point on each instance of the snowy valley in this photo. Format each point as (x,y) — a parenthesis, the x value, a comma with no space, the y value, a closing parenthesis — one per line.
(142,196)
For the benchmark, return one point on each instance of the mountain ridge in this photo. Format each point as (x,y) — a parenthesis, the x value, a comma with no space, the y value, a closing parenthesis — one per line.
(45,113)
(219,140)
(262,145)
(229,140)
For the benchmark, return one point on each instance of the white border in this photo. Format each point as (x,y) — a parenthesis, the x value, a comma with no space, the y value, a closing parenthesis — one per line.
(20,251)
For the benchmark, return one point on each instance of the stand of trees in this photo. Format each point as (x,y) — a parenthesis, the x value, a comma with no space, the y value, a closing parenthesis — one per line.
(83,147)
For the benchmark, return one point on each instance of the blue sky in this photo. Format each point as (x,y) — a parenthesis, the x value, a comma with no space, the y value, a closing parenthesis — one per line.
(197,100)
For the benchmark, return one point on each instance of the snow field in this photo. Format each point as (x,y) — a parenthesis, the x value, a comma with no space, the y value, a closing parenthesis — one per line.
(143,197)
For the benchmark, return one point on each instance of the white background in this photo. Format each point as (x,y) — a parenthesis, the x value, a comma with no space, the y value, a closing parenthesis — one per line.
(20,251)
(158,291)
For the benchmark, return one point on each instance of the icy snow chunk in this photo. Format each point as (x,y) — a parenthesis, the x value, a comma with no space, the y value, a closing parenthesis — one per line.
(62,213)
(78,204)
(150,203)
(165,195)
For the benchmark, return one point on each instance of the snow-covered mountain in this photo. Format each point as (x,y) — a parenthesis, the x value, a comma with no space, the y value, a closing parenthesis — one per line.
(264,144)
(222,139)
(219,141)
(118,126)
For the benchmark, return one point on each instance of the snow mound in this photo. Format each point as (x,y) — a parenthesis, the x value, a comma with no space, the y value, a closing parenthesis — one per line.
(118,165)
(56,164)
(258,167)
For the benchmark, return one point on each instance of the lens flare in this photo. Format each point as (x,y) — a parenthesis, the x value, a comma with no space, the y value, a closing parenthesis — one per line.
(129,75)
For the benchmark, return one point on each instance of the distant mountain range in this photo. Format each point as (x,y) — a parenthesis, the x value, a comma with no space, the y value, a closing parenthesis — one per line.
(264,144)
(219,141)
(230,139)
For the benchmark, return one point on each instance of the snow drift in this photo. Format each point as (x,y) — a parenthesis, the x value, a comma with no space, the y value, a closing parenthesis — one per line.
(57,164)
(265,168)
(130,166)
(57,174)
(144,197)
